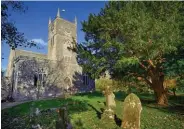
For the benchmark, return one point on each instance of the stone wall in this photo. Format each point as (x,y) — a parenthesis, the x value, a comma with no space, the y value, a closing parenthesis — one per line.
(17,53)
(60,78)
(5,88)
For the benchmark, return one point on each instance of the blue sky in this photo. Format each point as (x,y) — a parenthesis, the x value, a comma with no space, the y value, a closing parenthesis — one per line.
(34,23)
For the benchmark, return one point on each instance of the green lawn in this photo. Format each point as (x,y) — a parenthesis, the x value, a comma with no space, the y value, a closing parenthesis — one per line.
(85,111)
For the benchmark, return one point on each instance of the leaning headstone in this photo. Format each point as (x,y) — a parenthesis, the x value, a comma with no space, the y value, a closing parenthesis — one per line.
(131,112)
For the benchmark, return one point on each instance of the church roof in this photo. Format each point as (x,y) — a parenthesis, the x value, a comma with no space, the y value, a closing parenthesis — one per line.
(19,52)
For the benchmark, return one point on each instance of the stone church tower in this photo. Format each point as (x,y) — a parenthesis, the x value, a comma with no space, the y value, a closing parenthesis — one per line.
(35,75)
(62,35)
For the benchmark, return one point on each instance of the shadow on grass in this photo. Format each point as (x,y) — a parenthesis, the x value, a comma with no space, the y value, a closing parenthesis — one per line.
(48,112)
(117,120)
(179,99)
(179,109)
(147,101)
(99,114)
(144,97)
(22,109)
(176,105)
(172,109)
(90,95)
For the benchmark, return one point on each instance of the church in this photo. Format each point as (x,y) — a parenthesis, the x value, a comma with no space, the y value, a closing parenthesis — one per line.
(35,75)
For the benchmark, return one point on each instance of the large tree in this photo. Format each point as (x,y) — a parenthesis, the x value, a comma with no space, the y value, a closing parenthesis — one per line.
(9,32)
(132,39)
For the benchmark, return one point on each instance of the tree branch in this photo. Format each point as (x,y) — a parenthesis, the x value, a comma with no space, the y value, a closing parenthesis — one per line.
(138,75)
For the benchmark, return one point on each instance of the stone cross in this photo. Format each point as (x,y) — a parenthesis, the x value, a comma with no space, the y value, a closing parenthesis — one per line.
(110,102)
(131,112)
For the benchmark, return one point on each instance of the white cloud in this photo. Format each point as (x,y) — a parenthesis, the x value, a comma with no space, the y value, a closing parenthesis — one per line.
(40,41)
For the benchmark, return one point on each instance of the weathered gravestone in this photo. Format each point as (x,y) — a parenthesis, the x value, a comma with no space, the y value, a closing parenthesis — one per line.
(131,112)
(62,121)
(110,104)
(107,118)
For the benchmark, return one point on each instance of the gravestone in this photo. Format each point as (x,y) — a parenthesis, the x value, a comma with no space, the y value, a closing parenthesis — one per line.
(107,117)
(37,111)
(110,104)
(131,112)
(62,121)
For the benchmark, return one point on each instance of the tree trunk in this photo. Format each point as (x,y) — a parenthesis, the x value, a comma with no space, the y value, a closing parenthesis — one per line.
(174,92)
(161,97)
(160,93)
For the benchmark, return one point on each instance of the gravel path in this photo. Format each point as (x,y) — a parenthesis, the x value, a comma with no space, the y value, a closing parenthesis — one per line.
(11,104)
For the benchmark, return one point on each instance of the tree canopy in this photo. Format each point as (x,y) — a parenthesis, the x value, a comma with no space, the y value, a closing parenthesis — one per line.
(132,39)
(9,32)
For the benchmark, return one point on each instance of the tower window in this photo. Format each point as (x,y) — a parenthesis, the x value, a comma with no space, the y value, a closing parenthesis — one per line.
(85,79)
(52,41)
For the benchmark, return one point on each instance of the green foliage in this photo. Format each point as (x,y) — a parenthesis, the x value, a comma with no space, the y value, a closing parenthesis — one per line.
(102,83)
(124,36)
(9,32)
(114,85)
(181,85)
(174,67)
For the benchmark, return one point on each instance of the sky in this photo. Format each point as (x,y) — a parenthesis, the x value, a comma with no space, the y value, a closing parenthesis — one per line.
(34,22)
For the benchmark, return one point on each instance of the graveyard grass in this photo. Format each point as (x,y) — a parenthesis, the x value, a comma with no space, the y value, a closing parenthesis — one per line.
(85,111)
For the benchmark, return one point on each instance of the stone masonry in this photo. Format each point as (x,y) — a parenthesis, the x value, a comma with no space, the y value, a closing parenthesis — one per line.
(35,75)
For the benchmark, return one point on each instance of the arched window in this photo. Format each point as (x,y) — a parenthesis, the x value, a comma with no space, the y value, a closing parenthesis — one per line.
(85,79)
(44,79)
(35,80)
(40,78)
